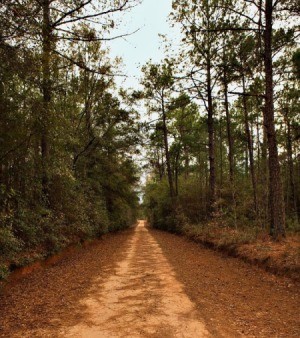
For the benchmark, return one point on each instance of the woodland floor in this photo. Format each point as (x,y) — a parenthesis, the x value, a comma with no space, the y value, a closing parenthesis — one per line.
(147,283)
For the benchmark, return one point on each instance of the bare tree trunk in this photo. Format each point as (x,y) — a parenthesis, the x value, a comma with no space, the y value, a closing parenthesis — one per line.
(230,146)
(46,90)
(264,174)
(292,189)
(258,144)
(211,140)
(221,153)
(186,162)
(246,161)
(163,167)
(167,153)
(228,129)
(159,165)
(250,145)
(177,171)
(277,211)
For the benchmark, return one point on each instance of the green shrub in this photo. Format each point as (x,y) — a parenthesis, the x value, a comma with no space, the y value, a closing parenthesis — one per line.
(4,271)
(9,244)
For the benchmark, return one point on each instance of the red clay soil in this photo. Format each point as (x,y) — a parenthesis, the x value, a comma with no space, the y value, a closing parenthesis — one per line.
(147,283)
(279,257)
(230,293)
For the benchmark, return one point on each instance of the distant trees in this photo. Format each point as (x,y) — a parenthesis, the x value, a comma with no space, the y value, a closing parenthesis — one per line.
(198,25)
(158,82)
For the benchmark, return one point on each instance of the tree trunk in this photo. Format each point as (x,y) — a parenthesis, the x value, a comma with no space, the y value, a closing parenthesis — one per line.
(277,211)
(228,129)
(167,153)
(264,177)
(292,189)
(246,161)
(258,145)
(211,141)
(186,162)
(221,153)
(230,146)
(46,90)
(177,171)
(159,165)
(249,145)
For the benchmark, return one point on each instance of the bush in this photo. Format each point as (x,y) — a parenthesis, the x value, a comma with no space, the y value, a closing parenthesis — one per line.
(4,271)
(77,210)
(9,244)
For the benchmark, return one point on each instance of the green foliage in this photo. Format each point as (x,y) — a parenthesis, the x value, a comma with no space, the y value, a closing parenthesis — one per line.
(4,271)
(158,204)
(296,62)
(9,244)
(67,135)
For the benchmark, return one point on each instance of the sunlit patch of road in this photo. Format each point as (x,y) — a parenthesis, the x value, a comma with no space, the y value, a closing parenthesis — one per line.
(141,298)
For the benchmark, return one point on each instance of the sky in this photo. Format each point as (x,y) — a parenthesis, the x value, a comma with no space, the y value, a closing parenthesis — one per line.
(150,17)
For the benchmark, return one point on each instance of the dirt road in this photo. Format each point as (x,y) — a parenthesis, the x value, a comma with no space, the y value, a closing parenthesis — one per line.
(145,283)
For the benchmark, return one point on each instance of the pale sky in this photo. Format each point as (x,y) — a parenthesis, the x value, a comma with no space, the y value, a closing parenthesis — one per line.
(151,18)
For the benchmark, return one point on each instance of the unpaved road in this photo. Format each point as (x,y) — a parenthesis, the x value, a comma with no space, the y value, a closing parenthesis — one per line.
(146,283)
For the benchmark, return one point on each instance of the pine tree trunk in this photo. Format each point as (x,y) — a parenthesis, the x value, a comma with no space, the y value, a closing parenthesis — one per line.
(292,188)
(177,172)
(167,153)
(221,153)
(264,174)
(230,147)
(277,211)
(228,129)
(258,145)
(249,145)
(211,141)
(246,161)
(46,91)
(186,162)
(159,165)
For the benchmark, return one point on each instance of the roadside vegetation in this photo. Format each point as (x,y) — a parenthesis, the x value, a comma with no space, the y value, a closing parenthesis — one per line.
(67,133)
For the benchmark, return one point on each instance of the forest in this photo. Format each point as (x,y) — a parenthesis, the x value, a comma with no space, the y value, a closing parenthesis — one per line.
(67,134)
(149,168)
(224,149)
(218,137)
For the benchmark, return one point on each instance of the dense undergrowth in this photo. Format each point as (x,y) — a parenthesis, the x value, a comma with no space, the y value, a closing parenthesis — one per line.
(79,211)
(191,206)
(236,232)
